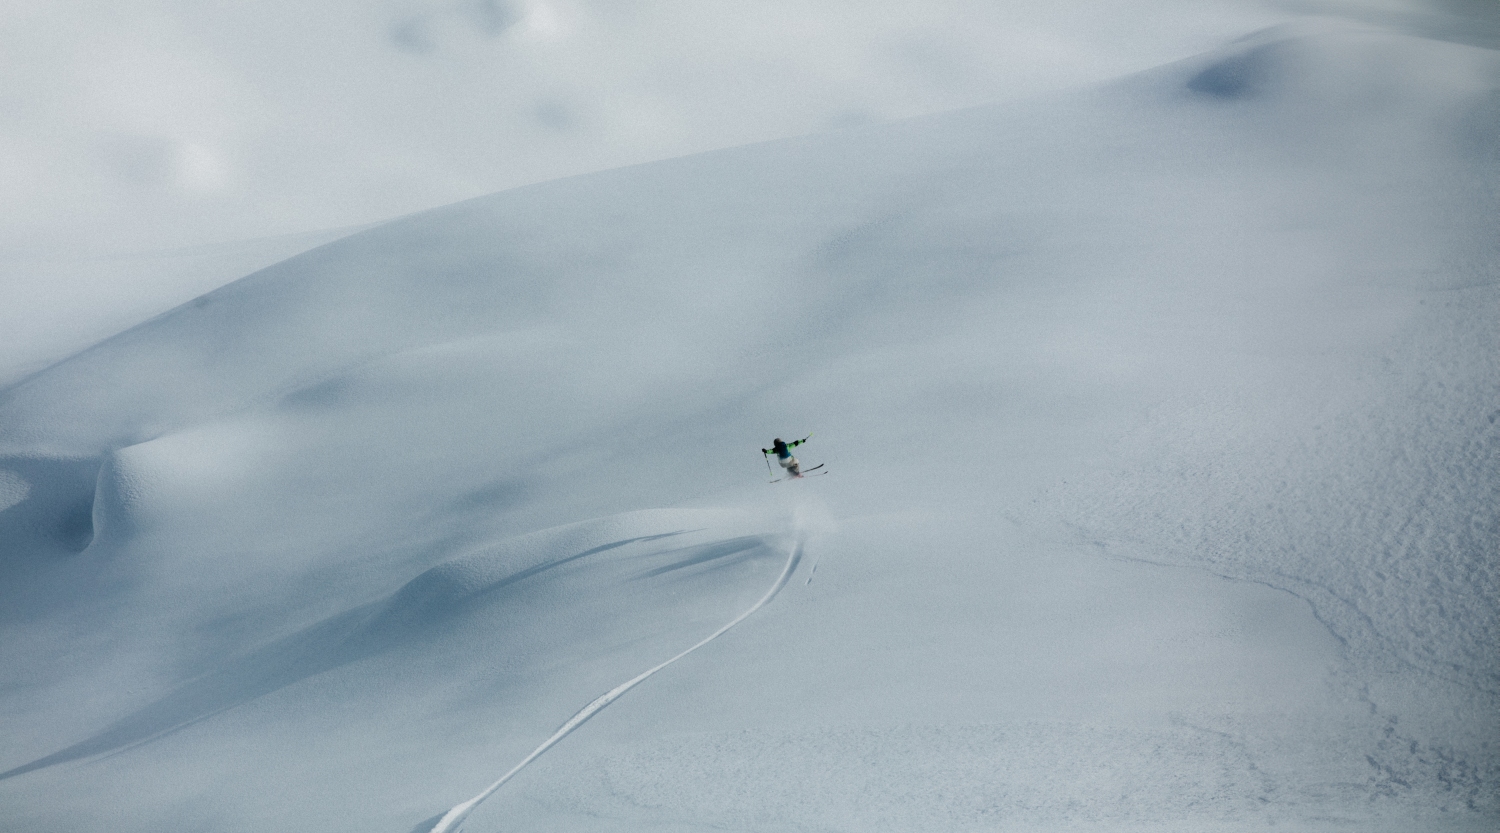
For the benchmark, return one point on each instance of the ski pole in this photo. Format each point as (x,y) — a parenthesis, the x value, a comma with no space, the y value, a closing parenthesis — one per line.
(768,464)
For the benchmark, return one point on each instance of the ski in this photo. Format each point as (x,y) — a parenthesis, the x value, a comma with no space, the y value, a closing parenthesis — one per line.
(807,473)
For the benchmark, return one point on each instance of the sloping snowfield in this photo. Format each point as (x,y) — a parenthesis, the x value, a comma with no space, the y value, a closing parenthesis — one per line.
(1162,423)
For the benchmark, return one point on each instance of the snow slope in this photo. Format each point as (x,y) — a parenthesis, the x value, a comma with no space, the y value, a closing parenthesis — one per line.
(1162,425)
(60,303)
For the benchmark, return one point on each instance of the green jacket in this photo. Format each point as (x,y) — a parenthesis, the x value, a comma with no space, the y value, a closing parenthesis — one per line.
(784,450)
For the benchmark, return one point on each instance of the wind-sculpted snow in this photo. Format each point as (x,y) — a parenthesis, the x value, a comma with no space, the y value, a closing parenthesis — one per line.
(433,600)
(48,505)
(1161,426)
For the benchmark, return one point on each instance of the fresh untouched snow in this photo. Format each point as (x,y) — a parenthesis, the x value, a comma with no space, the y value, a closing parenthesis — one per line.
(1163,429)
(59,303)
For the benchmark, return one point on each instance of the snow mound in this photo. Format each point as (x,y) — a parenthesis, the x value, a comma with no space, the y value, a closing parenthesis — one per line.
(124,487)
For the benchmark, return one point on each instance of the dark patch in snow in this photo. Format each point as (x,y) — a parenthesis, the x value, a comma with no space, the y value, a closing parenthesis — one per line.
(495,495)
(448,585)
(75,526)
(1243,76)
(56,514)
(743,547)
(323,394)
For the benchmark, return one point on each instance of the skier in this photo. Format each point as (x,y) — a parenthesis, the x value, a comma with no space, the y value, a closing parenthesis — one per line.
(784,454)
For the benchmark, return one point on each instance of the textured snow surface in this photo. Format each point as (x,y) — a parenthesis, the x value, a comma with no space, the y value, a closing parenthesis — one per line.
(1163,423)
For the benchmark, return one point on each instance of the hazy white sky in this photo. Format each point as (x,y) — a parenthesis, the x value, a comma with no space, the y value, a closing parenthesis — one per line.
(138,124)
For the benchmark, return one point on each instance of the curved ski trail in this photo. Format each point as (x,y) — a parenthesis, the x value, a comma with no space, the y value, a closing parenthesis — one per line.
(453,818)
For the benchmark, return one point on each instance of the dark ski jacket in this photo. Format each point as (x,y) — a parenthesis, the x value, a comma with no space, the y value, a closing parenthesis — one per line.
(783,450)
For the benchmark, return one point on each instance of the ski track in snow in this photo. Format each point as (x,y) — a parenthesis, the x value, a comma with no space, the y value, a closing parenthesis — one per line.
(451,820)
